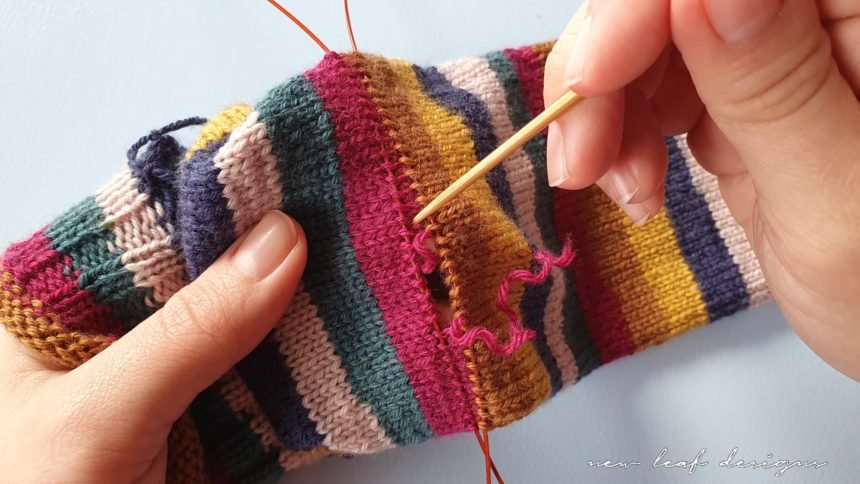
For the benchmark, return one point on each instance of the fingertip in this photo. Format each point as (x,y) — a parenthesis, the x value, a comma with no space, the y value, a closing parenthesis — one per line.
(615,43)
(638,172)
(643,212)
(287,267)
(267,245)
(557,60)
(585,141)
(556,160)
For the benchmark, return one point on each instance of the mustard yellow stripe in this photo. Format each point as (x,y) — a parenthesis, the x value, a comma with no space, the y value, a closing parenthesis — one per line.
(605,226)
(543,49)
(217,128)
(669,278)
(478,245)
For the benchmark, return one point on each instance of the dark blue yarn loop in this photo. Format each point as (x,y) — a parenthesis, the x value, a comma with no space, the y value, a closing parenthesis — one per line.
(159,133)
(155,169)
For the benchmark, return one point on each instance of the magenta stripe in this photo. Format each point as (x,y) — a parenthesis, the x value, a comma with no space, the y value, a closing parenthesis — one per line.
(383,245)
(50,277)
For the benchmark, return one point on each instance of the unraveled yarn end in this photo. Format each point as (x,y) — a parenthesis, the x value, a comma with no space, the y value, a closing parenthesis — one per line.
(519,335)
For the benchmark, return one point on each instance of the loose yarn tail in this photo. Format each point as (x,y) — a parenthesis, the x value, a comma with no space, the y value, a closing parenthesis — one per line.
(519,334)
(429,260)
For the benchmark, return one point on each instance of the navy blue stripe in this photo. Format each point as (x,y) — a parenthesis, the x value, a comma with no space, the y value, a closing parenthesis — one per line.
(717,275)
(229,443)
(266,375)
(476,116)
(533,309)
(205,227)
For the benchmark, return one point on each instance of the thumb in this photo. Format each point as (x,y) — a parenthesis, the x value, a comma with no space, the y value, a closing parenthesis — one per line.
(156,370)
(766,73)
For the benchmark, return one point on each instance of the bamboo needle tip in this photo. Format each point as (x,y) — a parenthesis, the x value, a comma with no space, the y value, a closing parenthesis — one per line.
(521,137)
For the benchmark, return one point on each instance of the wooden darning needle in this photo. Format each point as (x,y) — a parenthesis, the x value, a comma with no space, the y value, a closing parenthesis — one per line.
(498,155)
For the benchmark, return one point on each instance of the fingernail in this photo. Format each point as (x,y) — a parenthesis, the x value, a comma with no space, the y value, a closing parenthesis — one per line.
(740,21)
(574,70)
(622,184)
(639,213)
(266,246)
(557,172)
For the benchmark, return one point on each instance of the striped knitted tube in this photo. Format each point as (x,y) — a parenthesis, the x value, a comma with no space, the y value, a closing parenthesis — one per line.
(360,363)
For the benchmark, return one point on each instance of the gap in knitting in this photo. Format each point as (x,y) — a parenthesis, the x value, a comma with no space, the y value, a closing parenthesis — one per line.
(454,327)
(519,334)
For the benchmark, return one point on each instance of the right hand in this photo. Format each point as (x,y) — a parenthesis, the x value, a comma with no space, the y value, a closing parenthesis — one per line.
(767,90)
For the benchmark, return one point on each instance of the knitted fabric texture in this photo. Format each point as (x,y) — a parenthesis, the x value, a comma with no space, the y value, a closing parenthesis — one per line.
(352,149)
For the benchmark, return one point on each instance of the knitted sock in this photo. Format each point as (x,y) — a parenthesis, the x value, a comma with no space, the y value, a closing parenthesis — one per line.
(352,149)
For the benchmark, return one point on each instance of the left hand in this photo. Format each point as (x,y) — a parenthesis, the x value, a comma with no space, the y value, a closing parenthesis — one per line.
(108,420)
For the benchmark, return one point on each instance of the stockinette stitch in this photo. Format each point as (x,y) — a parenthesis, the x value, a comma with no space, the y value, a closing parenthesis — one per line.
(352,149)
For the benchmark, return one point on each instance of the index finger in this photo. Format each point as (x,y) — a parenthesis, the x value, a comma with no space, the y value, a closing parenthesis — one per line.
(606,46)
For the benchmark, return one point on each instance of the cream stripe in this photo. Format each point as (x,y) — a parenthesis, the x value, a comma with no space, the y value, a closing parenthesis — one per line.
(248,171)
(242,403)
(147,252)
(731,233)
(348,426)
(475,76)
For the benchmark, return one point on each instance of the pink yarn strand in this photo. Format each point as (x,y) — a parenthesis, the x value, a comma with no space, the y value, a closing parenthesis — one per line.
(519,335)
(427,255)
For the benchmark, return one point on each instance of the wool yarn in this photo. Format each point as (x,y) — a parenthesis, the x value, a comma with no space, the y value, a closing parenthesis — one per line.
(352,149)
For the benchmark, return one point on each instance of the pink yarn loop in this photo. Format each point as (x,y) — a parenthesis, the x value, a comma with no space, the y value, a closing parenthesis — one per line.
(519,335)
(427,255)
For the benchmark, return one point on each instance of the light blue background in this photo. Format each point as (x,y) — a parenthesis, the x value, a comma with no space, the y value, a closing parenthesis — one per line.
(79,83)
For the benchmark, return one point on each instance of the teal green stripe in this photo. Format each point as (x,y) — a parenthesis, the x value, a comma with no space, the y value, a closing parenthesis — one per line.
(535,148)
(79,234)
(230,442)
(303,140)
(575,326)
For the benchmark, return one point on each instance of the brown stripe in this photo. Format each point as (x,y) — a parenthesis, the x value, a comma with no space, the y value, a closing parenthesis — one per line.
(477,244)
(185,463)
(542,50)
(27,320)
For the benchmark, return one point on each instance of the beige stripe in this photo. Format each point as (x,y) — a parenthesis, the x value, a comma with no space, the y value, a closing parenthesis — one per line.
(348,426)
(475,76)
(731,233)
(249,173)
(242,403)
(145,243)
(251,185)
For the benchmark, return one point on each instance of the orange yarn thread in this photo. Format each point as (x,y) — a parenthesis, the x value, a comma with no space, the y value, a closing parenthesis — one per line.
(310,33)
(300,25)
(349,24)
(484,442)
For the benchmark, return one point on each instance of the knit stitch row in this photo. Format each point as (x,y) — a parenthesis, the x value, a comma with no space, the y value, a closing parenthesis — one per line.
(353,149)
